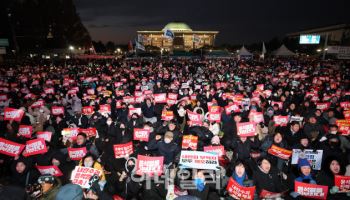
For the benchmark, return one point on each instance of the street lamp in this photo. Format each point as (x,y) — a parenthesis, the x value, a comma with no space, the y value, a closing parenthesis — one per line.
(319,50)
(71,47)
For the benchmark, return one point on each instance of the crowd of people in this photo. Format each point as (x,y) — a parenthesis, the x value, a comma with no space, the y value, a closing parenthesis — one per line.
(113,99)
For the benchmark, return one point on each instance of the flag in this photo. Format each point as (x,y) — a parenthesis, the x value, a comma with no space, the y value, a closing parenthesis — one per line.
(130,46)
(169,34)
(140,38)
(139,46)
(196,39)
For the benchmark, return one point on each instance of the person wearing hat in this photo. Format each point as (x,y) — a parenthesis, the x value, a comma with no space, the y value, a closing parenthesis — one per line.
(49,186)
(305,171)
(166,147)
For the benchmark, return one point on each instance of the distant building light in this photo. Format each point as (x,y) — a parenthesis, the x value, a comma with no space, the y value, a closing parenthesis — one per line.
(67,57)
(55,55)
(71,48)
(326,49)
(319,50)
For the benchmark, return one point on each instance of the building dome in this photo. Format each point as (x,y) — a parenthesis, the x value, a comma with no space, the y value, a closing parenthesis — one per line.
(177,27)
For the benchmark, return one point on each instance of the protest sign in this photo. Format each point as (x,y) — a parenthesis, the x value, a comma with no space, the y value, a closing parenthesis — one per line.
(219,150)
(264,194)
(57,110)
(311,190)
(141,134)
(10,148)
(280,120)
(46,135)
(25,131)
(123,150)
(198,160)
(238,191)
(323,106)
(34,147)
(90,132)
(137,111)
(87,110)
(81,175)
(167,115)
(189,141)
(13,114)
(193,116)
(52,170)
(246,129)
(314,157)
(70,133)
(214,117)
(342,182)
(105,109)
(234,107)
(345,105)
(77,153)
(256,117)
(159,98)
(280,152)
(149,165)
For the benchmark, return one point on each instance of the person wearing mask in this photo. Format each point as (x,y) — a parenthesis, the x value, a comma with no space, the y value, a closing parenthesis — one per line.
(90,161)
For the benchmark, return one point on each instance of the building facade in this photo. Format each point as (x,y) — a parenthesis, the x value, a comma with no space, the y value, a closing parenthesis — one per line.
(185,39)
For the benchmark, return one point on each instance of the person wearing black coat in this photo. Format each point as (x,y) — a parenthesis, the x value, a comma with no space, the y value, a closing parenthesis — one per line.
(292,134)
(60,160)
(166,147)
(23,173)
(266,177)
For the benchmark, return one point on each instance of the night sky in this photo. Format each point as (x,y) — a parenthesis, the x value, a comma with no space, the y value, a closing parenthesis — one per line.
(239,22)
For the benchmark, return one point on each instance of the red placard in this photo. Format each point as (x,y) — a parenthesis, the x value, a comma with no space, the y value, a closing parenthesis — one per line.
(46,135)
(34,147)
(280,152)
(342,182)
(77,153)
(311,190)
(280,120)
(106,108)
(195,123)
(345,105)
(90,132)
(264,194)
(129,100)
(347,114)
(232,107)
(189,141)
(149,165)
(38,104)
(256,117)
(214,117)
(10,148)
(123,150)
(239,192)
(323,106)
(141,134)
(159,98)
(167,115)
(279,103)
(193,116)
(219,150)
(260,87)
(52,169)
(88,110)
(138,111)
(25,131)
(57,110)
(49,91)
(13,114)
(246,129)
(70,133)
(172,96)
(91,91)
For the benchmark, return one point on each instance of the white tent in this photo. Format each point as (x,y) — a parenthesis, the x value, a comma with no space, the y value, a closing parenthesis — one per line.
(244,52)
(283,51)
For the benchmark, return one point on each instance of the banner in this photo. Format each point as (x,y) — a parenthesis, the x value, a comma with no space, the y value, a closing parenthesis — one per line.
(149,165)
(232,108)
(342,182)
(189,141)
(10,148)
(159,98)
(345,105)
(219,150)
(52,170)
(25,131)
(311,190)
(105,109)
(198,160)
(34,147)
(141,134)
(57,110)
(76,153)
(172,96)
(70,133)
(90,132)
(13,114)
(38,104)
(246,129)
(193,116)
(123,150)
(280,152)
(81,175)
(256,117)
(138,111)
(167,115)
(323,106)
(87,110)
(314,157)
(238,191)
(46,135)
(280,120)
(214,117)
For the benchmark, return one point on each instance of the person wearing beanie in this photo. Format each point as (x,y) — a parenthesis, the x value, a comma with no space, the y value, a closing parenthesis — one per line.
(49,186)
(305,171)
